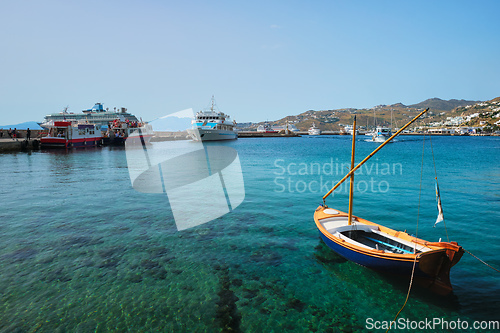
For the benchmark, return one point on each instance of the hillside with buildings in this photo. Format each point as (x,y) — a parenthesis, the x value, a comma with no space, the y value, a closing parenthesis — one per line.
(442,114)
(480,117)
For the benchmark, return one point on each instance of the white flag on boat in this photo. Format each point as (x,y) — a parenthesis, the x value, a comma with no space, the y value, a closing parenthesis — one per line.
(440,216)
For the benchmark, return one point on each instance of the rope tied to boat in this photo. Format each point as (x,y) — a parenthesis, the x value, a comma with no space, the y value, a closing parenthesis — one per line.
(407,295)
(482,261)
(416,235)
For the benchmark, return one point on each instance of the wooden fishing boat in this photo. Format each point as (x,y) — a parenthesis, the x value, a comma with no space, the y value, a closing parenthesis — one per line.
(384,249)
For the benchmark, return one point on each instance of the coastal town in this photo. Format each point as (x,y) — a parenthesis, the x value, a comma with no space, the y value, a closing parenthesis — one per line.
(445,117)
(453,117)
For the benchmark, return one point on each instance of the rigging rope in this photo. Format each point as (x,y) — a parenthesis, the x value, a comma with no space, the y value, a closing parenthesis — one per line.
(436,177)
(444,221)
(416,235)
(482,261)
(418,215)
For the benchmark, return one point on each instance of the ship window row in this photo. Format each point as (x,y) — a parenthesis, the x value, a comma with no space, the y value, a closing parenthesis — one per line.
(208,118)
(79,117)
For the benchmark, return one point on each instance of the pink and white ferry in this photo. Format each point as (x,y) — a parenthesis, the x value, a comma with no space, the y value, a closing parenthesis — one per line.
(67,134)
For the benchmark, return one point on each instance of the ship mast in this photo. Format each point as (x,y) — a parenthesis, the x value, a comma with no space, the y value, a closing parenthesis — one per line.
(391,120)
(351,185)
(373,153)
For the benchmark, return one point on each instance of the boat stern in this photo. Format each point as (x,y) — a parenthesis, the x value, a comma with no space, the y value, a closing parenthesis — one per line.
(436,265)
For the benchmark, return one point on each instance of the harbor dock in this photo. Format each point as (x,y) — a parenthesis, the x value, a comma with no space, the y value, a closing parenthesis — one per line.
(160,136)
(21,144)
(265,135)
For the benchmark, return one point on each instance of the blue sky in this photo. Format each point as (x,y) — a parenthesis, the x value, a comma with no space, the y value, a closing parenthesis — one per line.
(261,59)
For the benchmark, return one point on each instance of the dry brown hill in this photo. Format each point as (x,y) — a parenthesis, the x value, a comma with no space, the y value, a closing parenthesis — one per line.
(335,120)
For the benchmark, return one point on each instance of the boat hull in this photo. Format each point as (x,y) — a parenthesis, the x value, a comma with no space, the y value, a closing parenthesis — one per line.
(380,138)
(58,143)
(211,135)
(131,140)
(364,259)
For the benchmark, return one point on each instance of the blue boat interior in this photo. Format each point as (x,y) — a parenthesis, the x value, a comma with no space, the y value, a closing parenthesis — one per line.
(378,242)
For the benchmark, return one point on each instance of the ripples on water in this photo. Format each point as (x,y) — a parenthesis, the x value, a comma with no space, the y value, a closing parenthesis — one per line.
(80,250)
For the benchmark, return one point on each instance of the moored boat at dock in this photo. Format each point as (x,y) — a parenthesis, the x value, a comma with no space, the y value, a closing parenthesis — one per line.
(109,127)
(68,134)
(313,130)
(348,129)
(135,132)
(266,128)
(212,125)
(95,115)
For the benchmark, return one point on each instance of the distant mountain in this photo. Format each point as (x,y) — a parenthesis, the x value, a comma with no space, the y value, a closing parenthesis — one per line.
(442,105)
(22,126)
(396,114)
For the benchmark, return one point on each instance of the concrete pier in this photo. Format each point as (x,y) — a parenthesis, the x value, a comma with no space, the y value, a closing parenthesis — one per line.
(21,144)
(265,135)
(170,136)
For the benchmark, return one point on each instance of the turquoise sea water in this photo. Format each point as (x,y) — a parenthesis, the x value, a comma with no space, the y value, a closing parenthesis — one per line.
(82,251)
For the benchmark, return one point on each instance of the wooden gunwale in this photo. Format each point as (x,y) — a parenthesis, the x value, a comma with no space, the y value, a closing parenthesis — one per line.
(434,246)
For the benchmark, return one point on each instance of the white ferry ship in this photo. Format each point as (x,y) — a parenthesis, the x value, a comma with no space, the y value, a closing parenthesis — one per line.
(95,115)
(313,130)
(116,125)
(212,125)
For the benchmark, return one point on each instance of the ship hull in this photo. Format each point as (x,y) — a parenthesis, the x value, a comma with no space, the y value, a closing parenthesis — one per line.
(58,143)
(131,140)
(211,134)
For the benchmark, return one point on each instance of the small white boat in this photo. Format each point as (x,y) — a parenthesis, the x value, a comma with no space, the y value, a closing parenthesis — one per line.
(349,129)
(381,134)
(266,128)
(313,130)
(212,125)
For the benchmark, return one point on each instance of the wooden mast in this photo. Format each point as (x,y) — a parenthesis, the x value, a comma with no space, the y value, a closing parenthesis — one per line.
(351,185)
(373,153)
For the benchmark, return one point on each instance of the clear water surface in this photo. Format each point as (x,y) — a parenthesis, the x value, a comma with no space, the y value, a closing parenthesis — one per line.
(81,251)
